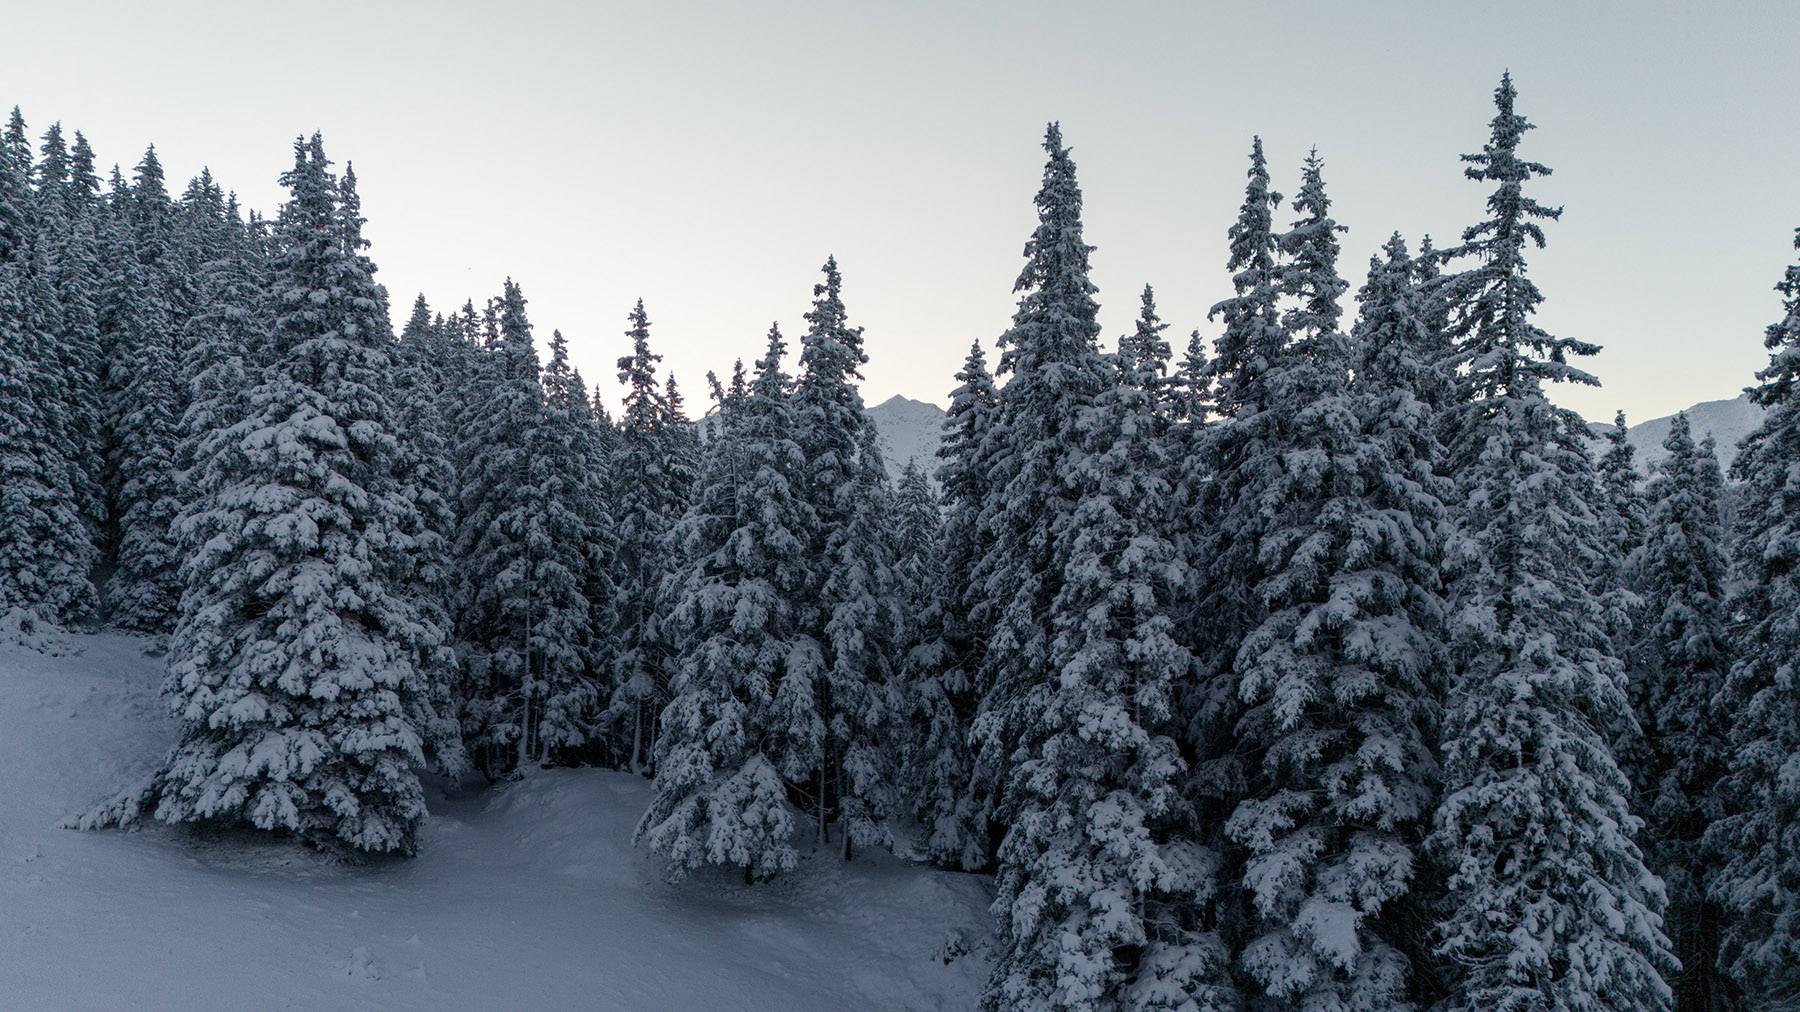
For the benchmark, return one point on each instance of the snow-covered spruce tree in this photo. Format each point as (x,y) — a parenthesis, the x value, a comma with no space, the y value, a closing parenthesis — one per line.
(1030,446)
(295,665)
(918,524)
(223,346)
(1336,674)
(573,542)
(1399,330)
(45,551)
(418,381)
(1190,388)
(430,479)
(1550,905)
(67,239)
(141,405)
(867,634)
(521,553)
(1760,838)
(1402,381)
(646,503)
(723,748)
(852,604)
(16,201)
(1218,462)
(1147,347)
(1679,661)
(1071,932)
(1622,522)
(943,669)
(681,444)
(1102,886)
(145,587)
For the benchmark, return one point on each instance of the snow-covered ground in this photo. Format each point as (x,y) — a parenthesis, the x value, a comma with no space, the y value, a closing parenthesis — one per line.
(528,897)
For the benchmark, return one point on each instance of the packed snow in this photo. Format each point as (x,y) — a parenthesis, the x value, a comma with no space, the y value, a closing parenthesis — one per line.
(528,895)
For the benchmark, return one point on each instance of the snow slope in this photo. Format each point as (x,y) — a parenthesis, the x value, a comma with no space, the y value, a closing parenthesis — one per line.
(1727,421)
(909,430)
(527,897)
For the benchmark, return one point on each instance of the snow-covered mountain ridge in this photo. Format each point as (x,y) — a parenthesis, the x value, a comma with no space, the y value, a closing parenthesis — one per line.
(911,429)
(1727,421)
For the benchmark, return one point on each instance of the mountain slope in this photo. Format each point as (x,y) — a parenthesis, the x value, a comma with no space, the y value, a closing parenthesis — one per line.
(1727,421)
(910,430)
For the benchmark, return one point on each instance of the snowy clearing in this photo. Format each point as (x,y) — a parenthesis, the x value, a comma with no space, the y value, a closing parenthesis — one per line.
(526,897)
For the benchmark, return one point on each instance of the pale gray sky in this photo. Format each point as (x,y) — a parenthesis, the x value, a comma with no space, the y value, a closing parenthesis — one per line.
(708,156)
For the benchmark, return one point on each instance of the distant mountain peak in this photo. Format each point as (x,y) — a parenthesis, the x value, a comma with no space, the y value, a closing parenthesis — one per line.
(1727,421)
(910,430)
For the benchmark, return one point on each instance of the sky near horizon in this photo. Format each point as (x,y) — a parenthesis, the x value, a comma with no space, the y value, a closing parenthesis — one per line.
(707,157)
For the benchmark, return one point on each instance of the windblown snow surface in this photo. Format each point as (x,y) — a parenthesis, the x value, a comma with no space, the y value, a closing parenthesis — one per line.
(525,897)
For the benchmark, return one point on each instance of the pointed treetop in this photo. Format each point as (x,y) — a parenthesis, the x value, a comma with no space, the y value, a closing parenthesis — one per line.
(643,401)
(1253,333)
(1498,161)
(1252,236)
(17,146)
(771,383)
(1144,354)
(832,350)
(1312,248)
(419,323)
(147,187)
(515,328)
(84,179)
(350,209)
(1057,320)
(53,170)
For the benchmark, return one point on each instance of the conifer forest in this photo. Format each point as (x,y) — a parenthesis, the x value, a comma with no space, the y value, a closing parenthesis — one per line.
(1315,660)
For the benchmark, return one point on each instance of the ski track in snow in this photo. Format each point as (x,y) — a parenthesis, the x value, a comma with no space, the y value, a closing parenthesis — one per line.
(526,897)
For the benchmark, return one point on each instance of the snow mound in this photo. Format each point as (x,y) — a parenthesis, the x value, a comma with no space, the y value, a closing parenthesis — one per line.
(526,896)
(22,627)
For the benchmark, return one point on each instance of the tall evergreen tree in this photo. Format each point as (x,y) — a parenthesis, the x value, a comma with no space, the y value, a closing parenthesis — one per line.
(296,663)
(851,603)
(1221,462)
(1068,726)
(573,540)
(1679,662)
(723,749)
(522,610)
(1760,882)
(45,552)
(1335,671)
(647,500)
(1622,523)
(943,670)
(1102,882)
(1050,353)
(1550,904)
(430,478)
